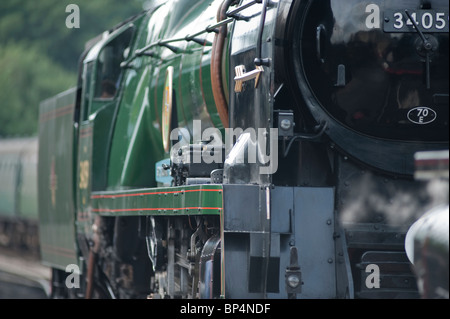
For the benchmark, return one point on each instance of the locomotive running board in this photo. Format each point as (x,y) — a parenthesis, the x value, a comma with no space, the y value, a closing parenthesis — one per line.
(173,201)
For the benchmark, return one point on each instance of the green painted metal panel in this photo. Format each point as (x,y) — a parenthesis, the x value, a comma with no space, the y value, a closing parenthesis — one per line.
(102,126)
(194,72)
(137,139)
(195,100)
(173,201)
(55,180)
(137,144)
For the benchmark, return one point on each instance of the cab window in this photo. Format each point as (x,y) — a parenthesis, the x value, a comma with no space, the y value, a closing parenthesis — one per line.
(109,72)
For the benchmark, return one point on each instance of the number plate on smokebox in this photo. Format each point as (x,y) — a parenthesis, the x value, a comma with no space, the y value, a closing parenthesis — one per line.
(429,21)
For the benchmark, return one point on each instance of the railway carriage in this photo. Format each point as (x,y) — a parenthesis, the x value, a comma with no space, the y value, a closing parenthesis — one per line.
(18,194)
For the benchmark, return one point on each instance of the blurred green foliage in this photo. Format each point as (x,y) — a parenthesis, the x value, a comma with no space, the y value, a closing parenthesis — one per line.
(39,55)
(27,77)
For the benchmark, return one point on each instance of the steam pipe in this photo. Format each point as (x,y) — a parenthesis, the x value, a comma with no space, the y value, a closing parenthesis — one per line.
(216,64)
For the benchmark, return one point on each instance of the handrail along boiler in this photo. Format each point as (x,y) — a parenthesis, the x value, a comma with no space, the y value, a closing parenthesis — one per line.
(246,149)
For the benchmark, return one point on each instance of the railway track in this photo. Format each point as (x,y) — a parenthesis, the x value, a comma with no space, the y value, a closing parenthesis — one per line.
(23,276)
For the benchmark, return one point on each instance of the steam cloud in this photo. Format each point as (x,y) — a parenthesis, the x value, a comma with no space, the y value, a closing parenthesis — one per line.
(396,206)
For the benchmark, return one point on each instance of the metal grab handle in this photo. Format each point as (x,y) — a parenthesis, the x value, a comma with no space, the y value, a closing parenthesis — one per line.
(243,76)
(320,29)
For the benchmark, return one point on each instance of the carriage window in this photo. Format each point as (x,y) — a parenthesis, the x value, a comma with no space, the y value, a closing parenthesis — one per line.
(109,72)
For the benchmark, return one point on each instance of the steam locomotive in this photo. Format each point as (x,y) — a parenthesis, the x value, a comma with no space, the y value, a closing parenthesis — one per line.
(246,149)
